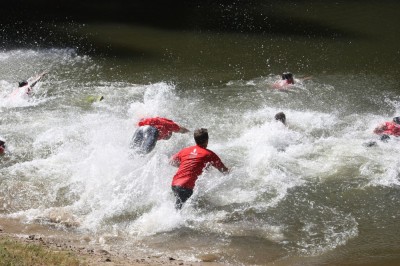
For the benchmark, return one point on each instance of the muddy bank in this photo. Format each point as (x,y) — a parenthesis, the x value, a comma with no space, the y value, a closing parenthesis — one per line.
(79,246)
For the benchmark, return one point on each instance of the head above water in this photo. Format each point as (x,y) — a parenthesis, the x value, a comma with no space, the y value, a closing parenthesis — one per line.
(201,137)
(22,83)
(289,77)
(2,144)
(281,117)
(396,119)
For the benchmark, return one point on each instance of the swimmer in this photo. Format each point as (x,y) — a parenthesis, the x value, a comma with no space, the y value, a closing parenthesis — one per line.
(25,87)
(389,128)
(151,130)
(2,147)
(191,162)
(385,130)
(286,81)
(281,117)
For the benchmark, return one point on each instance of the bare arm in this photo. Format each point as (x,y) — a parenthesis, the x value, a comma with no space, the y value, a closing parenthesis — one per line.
(217,163)
(37,79)
(175,161)
(306,78)
(183,130)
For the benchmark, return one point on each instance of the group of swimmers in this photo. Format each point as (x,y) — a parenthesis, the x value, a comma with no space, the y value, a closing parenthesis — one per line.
(192,160)
(385,130)
(25,89)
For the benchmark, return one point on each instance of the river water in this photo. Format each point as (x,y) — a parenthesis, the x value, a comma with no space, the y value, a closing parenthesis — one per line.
(307,194)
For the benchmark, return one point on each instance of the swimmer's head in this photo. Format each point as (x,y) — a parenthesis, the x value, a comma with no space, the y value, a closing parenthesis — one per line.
(201,137)
(22,83)
(396,119)
(289,77)
(2,147)
(281,117)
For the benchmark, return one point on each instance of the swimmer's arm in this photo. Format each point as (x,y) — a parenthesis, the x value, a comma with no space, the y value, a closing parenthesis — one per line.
(306,78)
(217,163)
(175,160)
(380,129)
(37,79)
(224,170)
(183,130)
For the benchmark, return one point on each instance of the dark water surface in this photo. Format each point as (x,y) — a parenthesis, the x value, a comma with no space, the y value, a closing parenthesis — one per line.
(316,38)
(307,194)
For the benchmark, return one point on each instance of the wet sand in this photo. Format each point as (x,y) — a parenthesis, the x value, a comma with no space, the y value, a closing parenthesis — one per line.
(88,253)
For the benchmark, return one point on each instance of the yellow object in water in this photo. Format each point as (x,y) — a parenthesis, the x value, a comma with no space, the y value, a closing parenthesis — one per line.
(92,99)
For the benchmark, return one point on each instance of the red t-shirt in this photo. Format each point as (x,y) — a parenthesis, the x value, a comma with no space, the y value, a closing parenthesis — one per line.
(192,160)
(391,128)
(164,126)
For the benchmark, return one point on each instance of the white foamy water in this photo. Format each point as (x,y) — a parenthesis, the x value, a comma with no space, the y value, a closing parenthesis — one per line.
(294,189)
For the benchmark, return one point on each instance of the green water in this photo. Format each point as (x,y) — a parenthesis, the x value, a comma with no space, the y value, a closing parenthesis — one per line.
(317,38)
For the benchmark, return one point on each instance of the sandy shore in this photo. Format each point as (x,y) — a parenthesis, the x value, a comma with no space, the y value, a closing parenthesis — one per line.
(90,254)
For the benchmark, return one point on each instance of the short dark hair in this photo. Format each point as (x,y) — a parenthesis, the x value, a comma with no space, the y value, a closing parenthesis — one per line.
(2,143)
(22,83)
(200,136)
(281,117)
(287,75)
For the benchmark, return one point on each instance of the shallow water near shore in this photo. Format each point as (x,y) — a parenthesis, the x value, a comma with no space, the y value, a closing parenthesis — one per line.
(309,193)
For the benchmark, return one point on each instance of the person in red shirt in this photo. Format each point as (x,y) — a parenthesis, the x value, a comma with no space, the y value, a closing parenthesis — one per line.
(2,147)
(389,128)
(191,162)
(287,80)
(151,130)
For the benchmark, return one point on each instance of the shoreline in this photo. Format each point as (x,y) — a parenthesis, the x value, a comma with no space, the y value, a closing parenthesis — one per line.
(54,240)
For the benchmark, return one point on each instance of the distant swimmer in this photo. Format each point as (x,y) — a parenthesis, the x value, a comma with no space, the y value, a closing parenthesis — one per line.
(151,130)
(385,130)
(191,162)
(286,81)
(389,128)
(25,87)
(281,117)
(2,147)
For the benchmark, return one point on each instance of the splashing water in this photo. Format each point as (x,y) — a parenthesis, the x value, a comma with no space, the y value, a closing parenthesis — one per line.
(292,190)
